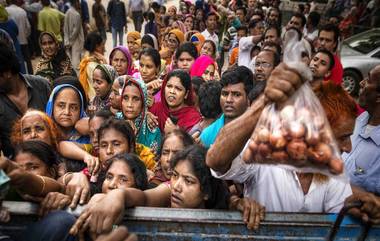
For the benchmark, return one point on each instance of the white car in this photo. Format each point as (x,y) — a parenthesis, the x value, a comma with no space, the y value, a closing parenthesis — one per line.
(359,54)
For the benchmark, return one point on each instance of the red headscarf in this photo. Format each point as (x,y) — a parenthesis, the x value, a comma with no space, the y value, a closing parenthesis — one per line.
(187,116)
(200,65)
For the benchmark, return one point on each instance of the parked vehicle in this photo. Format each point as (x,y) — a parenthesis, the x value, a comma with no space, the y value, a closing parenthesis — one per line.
(359,54)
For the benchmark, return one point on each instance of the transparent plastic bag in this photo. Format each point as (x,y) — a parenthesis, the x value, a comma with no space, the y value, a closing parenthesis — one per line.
(296,135)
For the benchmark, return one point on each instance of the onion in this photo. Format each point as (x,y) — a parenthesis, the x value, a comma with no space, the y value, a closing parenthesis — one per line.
(297,130)
(319,122)
(280,157)
(277,140)
(323,153)
(297,150)
(258,158)
(250,152)
(288,113)
(312,137)
(304,115)
(264,150)
(263,135)
(336,166)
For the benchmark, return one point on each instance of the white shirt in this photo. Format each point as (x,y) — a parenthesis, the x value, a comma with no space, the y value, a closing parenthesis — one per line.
(245,46)
(279,190)
(19,16)
(214,37)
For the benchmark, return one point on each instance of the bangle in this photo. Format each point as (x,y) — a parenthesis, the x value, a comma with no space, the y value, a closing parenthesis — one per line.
(64,178)
(43,185)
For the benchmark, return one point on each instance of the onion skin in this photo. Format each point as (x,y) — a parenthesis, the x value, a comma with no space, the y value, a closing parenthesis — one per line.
(277,140)
(312,138)
(263,135)
(250,152)
(319,122)
(280,157)
(288,113)
(264,150)
(297,150)
(324,153)
(297,130)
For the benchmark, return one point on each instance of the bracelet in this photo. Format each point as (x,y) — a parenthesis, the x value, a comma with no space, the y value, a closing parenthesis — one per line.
(43,184)
(64,178)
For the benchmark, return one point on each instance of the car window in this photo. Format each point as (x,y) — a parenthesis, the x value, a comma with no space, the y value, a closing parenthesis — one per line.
(365,42)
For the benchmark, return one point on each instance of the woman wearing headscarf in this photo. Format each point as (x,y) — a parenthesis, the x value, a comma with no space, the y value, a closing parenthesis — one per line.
(134,106)
(121,60)
(133,45)
(66,106)
(54,62)
(103,77)
(179,25)
(175,38)
(205,67)
(149,41)
(197,39)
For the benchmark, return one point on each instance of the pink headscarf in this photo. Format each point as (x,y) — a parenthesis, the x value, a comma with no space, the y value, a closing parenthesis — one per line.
(200,65)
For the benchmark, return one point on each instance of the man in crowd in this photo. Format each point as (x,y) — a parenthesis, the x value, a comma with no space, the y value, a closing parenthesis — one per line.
(236,85)
(264,64)
(246,44)
(211,24)
(17,93)
(297,21)
(50,20)
(135,9)
(321,65)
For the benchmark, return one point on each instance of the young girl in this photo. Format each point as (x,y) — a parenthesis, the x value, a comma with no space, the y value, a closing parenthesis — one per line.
(172,143)
(208,48)
(205,67)
(191,186)
(176,106)
(121,60)
(185,56)
(134,104)
(103,78)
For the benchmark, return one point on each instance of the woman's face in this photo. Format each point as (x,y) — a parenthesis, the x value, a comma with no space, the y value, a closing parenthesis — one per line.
(119,175)
(148,68)
(209,73)
(115,97)
(48,45)
(131,41)
(101,86)
(32,164)
(33,127)
(171,12)
(175,93)
(132,103)
(172,42)
(120,62)
(111,143)
(189,23)
(207,49)
(192,9)
(185,187)
(171,146)
(185,61)
(66,110)
(199,15)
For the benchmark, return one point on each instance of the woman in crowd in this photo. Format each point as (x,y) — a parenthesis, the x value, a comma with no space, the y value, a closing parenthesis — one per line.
(199,21)
(175,38)
(173,142)
(149,41)
(208,48)
(198,39)
(121,60)
(172,11)
(66,106)
(133,45)
(95,45)
(179,25)
(176,106)
(196,84)
(185,56)
(206,68)
(189,22)
(134,104)
(54,61)
(103,78)
(191,186)
(115,95)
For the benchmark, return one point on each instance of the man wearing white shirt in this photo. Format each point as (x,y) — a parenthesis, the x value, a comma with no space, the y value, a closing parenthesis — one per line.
(246,44)
(19,16)
(209,33)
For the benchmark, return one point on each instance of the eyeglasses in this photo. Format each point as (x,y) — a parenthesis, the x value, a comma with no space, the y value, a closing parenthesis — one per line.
(262,64)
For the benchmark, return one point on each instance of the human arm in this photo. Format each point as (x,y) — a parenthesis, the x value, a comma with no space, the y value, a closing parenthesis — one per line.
(53,201)
(77,187)
(370,209)
(253,212)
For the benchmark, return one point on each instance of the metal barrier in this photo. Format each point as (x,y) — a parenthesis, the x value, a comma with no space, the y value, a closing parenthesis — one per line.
(189,224)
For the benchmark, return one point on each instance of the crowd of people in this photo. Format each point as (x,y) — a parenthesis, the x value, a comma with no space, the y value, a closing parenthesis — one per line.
(166,118)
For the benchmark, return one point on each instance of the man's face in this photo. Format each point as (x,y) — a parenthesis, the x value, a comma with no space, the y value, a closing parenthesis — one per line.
(234,100)
(263,65)
(319,66)
(326,41)
(240,34)
(240,15)
(273,16)
(369,97)
(251,3)
(211,22)
(258,29)
(271,36)
(295,23)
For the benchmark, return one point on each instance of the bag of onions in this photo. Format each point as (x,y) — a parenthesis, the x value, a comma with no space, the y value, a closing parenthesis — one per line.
(298,134)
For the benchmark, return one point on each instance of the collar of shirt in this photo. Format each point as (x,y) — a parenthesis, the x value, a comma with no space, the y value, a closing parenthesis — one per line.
(361,123)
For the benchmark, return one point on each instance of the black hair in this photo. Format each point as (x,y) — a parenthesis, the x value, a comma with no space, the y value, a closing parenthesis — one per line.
(121,126)
(136,166)
(301,7)
(276,55)
(185,137)
(211,14)
(155,6)
(243,9)
(278,30)
(163,7)
(183,76)
(253,23)
(196,82)
(330,55)
(215,189)
(72,2)
(45,3)
(93,39)
(146,39)
(212,43)
(105,76)
(331,28)
(153,54)
(240,74)
(39,149)
(301,16)
(242,27)
(150,16)
(105,114)
(314,18)
(257,90)
(258,12)
(74,81)
(8,59)
(209,99)
(187,47)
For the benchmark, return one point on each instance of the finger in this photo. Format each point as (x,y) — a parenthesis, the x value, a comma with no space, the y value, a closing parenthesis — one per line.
(118,234)
(84,195)
(97,166)
(106,225)
(76,197)
(246,211)
(285,86)
(256,216)
(78,224)
(276,95)
(132,237)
